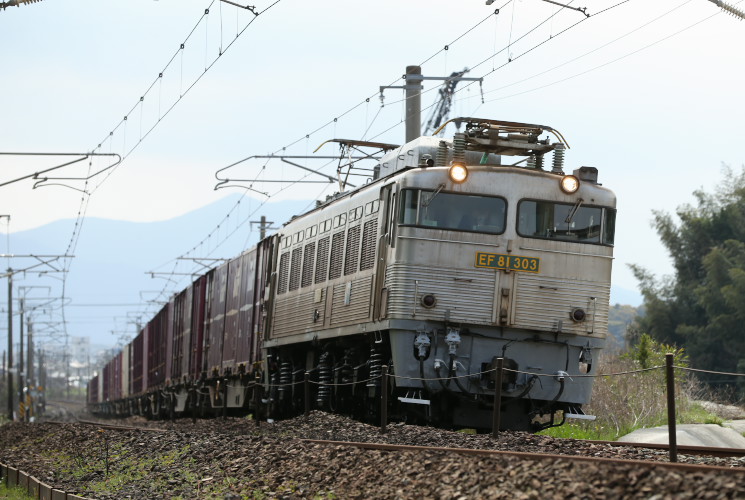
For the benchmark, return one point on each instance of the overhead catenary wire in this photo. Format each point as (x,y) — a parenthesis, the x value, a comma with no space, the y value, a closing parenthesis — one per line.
(372,96)
(333,121)
(603,46)
(573,59)
(511,59)
(592,51)
(164,294)
(140,104)
(122,123)
(607,63)
(358,105)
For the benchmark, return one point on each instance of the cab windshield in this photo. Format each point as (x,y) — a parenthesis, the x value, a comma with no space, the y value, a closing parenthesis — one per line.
(567,222)
(453,211)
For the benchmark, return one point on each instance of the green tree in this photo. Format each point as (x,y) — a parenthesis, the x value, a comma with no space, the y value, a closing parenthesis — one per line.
(648,353)
(702,307)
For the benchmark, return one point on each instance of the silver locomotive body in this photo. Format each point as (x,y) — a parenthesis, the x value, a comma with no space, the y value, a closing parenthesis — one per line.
(446,262)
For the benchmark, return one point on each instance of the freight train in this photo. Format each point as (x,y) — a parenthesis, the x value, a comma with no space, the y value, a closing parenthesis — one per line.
(456,253)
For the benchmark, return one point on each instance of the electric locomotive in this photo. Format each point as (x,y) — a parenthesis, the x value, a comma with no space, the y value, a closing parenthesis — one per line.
(458,253)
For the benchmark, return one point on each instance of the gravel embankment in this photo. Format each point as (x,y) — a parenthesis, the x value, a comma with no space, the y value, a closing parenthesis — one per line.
(233,459)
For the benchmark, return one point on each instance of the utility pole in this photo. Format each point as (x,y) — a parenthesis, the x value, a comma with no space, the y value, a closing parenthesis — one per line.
(40,264)
(30,379)
(264,226)
(67,370)
(21,399)
(25,369)
(413,88)
(43,378)
(10,344)
(30,394)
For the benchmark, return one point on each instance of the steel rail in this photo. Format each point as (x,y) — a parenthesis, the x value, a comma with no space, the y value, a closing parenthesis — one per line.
(109,426)
(531,456)
(707,451)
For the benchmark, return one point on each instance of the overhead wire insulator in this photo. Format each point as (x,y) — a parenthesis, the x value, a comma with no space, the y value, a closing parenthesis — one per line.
(539,162)
(729,8)
(15,3)
(442,154)
(459,147)
(531,161)
(558,167)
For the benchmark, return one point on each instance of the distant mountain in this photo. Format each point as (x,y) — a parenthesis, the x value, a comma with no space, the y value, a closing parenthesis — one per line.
(620,318)
(112,258)
(108,286)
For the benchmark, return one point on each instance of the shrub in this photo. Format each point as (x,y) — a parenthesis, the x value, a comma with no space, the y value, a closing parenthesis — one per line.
(625,398)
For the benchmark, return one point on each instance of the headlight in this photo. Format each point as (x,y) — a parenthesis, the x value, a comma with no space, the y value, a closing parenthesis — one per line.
(569,184)
(458,173)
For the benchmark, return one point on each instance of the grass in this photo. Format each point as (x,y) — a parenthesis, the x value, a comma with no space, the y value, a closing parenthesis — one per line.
(107,468)
(597,431)
(697,414)
(16,493)
(625,403)
(126,470)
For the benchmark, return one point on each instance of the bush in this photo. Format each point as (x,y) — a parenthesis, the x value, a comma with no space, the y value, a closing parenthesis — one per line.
(648,353)
(625,399)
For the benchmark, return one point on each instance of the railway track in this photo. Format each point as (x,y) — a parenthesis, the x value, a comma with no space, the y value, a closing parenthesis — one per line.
(700,451)
(59,409)
(324,454)
(114,427)
(705,451)
(697,450)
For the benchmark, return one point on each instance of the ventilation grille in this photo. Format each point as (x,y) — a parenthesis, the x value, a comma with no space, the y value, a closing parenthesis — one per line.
(297,257)
(542,301)
(353,251)
(465,295)
(284,268)
(369,239)
(294,314)
(337,253)
(308,260)
(359,307)
(323,260)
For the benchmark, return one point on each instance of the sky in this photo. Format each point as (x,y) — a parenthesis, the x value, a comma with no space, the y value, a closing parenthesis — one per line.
(650,93)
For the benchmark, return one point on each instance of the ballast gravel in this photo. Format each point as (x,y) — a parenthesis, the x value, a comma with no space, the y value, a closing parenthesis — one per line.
(235,459)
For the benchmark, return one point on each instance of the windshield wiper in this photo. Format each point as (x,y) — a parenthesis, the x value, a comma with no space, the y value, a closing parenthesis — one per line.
(573,211)
(428,199)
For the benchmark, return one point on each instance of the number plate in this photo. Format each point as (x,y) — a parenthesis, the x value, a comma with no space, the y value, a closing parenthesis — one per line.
(511,262)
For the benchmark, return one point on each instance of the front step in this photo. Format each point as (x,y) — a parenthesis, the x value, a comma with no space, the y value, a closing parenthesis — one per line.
(577,413)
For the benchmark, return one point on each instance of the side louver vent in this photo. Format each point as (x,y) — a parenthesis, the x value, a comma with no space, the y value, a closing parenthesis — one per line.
(369,239)
(353,251)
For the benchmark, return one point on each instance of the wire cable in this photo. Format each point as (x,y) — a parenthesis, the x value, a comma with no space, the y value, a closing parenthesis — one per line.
(607,63)
(74,238)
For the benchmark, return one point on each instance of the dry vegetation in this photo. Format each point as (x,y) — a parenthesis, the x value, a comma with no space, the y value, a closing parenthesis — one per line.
(625,398)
